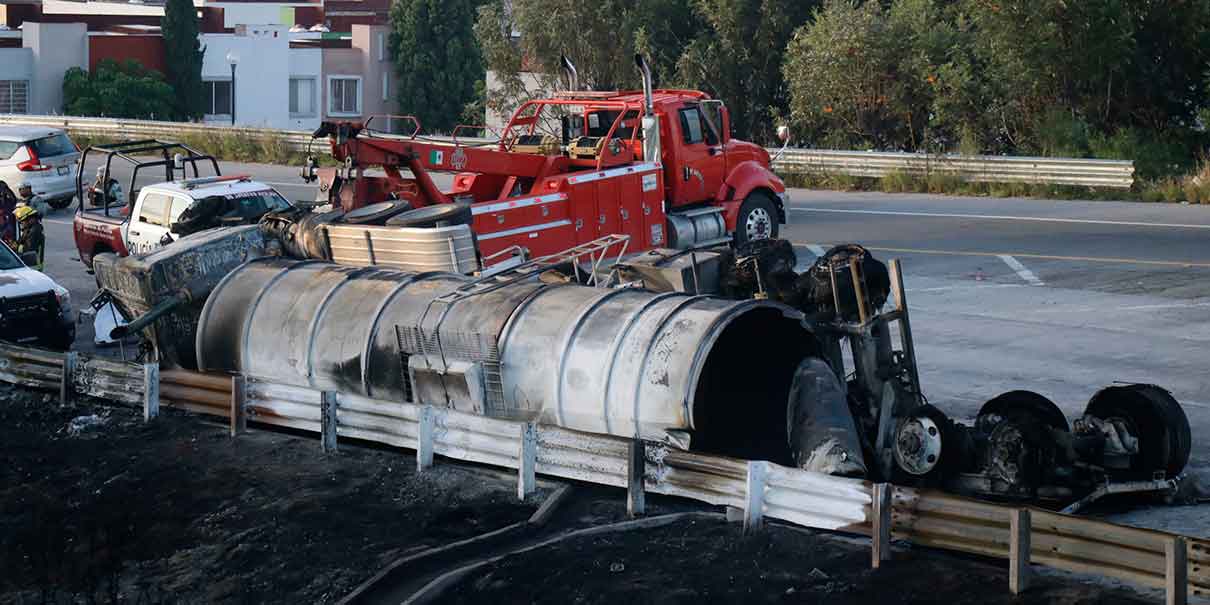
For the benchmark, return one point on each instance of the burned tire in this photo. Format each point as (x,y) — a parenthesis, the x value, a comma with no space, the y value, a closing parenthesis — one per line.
(1155,418)
(757,219)
(432,216)
(1023,405)
(376,214)
(928,448)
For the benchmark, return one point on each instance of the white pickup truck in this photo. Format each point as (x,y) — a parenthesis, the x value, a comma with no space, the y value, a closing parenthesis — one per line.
(166,211)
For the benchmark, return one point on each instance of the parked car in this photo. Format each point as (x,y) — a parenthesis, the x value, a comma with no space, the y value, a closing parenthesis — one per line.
(44,158)
(33,308)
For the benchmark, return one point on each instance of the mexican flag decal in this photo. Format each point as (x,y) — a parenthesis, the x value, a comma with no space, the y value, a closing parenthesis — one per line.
(436,158)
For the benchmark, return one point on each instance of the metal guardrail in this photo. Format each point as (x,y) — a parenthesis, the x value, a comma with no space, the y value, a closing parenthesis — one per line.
(981,169)
(1178,564)
(984,169)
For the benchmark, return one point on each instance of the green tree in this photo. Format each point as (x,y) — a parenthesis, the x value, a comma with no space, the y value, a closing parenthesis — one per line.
(863,76)
(600,38)
(183,58)
(737,57)
(437,59)
(117,90)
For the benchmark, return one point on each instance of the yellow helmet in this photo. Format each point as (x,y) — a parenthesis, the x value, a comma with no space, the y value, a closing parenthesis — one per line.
(24,212)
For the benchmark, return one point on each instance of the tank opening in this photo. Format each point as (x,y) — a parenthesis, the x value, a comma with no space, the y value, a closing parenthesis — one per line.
(742,393)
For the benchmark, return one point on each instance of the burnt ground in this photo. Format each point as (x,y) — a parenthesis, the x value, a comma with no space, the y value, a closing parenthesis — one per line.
(176,511)
(704,561)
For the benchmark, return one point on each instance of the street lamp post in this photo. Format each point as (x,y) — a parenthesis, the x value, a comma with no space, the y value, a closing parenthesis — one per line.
(232,60)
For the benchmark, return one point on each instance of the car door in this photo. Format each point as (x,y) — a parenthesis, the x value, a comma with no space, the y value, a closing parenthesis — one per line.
(702,165)
(149,224)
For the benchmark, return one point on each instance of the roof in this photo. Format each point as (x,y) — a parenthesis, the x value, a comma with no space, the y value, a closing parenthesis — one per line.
(26,133)
(226,187)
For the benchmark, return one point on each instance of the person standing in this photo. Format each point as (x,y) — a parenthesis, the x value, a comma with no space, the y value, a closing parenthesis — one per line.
(31,238)
(8,224)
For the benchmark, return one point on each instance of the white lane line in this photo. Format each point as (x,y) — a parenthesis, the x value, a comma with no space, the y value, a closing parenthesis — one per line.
(1196,404)
(56,221)
(1021,270)
(1001,217)
(815,249)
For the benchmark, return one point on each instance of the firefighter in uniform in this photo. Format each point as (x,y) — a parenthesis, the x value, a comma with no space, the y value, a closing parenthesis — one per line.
(31,238)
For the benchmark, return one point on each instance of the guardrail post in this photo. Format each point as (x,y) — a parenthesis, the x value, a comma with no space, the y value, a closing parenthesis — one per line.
(880,536)
(424,445)
(527,459)
(1176,571)
(67,385)
(754,504)
(151,391)
(1018,551)
(239,404)
(328,403)
(636,463)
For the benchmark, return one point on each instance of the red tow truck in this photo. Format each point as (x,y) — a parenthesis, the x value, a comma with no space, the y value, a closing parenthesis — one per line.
(658,165)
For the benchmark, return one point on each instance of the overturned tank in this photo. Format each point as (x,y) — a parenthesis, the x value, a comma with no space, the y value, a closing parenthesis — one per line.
(706,373)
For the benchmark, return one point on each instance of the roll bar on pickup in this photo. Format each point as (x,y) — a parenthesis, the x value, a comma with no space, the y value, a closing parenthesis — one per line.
(170,155)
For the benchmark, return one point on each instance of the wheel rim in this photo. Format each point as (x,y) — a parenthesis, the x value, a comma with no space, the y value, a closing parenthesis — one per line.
(758,225)
(918,445)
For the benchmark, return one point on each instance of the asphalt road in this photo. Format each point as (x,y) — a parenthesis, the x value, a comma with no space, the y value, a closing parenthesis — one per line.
(1058,297)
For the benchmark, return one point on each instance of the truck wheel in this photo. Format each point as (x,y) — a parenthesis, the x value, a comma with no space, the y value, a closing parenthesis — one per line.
(430,216)
(757,218)
(927,447)
(61,203)
(1155,418)
(375,214)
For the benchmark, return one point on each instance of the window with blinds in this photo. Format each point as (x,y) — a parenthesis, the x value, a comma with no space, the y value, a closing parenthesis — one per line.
(14,96)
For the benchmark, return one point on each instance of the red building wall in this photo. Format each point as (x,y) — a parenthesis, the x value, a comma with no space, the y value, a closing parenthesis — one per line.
(148,50)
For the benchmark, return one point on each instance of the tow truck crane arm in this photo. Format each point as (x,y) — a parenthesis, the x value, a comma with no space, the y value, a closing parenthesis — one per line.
(359,148)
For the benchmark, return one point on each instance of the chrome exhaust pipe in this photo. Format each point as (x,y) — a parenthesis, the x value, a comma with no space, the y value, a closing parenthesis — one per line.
(651,122)
(573,77)
(645,69)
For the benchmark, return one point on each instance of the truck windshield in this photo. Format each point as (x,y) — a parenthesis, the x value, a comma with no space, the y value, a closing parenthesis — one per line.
(9,260)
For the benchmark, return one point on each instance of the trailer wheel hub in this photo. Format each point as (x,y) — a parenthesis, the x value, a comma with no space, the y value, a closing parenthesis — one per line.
(918,445)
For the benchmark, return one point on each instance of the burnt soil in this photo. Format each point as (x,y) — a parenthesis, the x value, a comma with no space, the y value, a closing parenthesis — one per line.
(177,511)
(703,561)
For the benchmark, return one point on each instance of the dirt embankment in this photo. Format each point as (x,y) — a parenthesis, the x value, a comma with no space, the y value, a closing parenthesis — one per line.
(695,562)
(96,506)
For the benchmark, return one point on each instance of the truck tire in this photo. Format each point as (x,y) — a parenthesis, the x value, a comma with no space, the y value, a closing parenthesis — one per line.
(757,218)
(1156,418)
(375,214)
(431,216)
(61,203)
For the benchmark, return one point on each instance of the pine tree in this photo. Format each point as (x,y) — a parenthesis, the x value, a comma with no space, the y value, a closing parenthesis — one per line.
(183,57)
(436,58)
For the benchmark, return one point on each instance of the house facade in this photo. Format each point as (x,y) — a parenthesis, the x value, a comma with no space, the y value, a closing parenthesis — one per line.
(265,64)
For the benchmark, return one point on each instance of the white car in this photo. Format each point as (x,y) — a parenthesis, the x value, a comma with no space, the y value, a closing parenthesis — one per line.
(44,158)
(33,308)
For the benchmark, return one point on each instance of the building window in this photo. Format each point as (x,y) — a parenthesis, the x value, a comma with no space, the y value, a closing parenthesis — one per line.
(302,97)
(382,47)
(386,86)
(14,96)
(218,97)
(344,96)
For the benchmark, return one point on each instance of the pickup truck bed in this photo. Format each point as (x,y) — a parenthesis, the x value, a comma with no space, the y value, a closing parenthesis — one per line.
(96,232)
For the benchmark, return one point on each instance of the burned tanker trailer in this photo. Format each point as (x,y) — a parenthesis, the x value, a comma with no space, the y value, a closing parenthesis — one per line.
(725,350)
(700,372)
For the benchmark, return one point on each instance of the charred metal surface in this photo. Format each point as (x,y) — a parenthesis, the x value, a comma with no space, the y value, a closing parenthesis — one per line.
(197,262)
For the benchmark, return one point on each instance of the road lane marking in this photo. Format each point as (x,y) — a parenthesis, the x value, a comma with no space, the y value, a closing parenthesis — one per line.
(1003,217)
(1022,271)
(1089,259)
